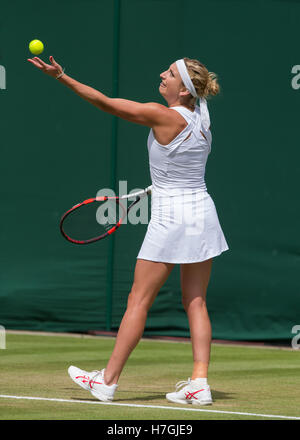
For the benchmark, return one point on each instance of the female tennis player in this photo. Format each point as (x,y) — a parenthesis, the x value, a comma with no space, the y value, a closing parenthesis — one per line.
(184,228)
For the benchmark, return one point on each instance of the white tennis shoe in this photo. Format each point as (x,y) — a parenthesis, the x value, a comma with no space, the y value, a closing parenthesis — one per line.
(191,391)
(94,382)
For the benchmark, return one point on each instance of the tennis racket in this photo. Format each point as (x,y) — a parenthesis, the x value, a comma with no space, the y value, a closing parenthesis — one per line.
(97,218)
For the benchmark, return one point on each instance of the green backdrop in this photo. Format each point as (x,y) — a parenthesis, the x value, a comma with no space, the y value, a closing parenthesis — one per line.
(57,149)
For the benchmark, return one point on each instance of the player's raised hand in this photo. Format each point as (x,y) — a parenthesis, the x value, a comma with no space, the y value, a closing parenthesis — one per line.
(53,69)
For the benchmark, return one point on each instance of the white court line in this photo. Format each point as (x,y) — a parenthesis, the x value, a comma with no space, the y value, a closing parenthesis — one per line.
(131,405)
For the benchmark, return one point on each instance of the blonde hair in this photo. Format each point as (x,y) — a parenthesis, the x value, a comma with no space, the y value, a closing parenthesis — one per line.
(205,82)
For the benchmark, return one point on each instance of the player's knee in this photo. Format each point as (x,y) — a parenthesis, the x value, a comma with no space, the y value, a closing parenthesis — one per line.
(193,302)
(139,299)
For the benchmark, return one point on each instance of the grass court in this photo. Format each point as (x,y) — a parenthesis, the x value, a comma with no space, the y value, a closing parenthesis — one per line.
(262,383)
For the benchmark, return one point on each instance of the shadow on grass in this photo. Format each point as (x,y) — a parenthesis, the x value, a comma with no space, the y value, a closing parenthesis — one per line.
(220,395)
(155,395)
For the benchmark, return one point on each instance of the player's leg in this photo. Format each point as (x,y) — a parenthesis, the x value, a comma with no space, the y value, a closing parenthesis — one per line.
(194,282)
(149,277)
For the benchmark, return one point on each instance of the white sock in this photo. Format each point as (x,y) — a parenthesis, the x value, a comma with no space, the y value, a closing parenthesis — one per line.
(201,381)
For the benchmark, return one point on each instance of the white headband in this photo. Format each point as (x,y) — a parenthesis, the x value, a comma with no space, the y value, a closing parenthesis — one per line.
(186,79)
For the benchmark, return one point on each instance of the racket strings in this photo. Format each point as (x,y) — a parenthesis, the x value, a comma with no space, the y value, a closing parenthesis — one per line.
(93,219)
(110,213)
(97,218)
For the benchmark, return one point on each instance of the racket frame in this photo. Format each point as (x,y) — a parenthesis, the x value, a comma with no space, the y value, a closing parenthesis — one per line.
(138,195)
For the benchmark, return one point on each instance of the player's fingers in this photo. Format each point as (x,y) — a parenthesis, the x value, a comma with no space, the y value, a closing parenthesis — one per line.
(34,63)
(53,61)
(37,63)
(41,62)
(55,64)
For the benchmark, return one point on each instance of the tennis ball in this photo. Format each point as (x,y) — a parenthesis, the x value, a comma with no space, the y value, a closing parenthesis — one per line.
(36,47)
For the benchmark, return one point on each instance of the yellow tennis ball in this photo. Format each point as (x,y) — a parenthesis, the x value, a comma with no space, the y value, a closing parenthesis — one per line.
(36,47)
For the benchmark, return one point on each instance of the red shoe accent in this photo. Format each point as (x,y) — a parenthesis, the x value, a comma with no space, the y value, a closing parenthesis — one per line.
(190,395)
(86,379)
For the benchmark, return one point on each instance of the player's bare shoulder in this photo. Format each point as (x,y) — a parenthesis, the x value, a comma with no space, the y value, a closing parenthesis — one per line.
(164,116)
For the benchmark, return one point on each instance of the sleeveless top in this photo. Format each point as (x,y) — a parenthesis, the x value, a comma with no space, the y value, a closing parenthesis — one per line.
(179,167)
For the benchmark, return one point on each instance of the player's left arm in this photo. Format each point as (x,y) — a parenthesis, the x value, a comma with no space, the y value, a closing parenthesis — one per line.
(150,114)
(141,113)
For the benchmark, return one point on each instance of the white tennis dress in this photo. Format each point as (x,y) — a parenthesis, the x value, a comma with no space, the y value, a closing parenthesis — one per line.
(184,225)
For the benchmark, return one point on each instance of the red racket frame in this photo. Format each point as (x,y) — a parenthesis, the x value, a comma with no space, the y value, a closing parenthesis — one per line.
(93,200)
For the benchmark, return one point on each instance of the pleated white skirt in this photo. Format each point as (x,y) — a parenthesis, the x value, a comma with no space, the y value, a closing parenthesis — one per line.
(184,228)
